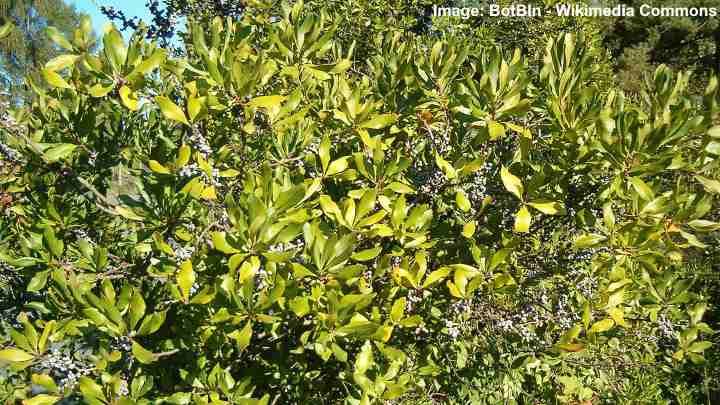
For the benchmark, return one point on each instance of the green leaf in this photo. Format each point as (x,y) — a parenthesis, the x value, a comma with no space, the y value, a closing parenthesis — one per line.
(713,148)
(337,166)
(588,240)
(61,62)
(90,389)
(364,360)
(152,323)
(170,110)
(714,132)
(462,201)
(143,355)
(157,167)
(339,353)
(99,90)
(42,399)
(114,48)
(368,254)
(5,29)
(642,188)
(522,220)
(602,326)
(548,207)
(400,188)
(55,80)
(55,245)
(446,167)
(221,244)
(59,152)
(324,152)
(13,355)
(44,381)
(148,64)
(58,38)
(137,308)
(243,336)
(704,225)
(129,98)
(186,279)
(511,183)
(300,306)
(496,130)
(469,229)
(379,121)
(330,208)
(711,185)
(699,347)
(436,276)
(398,309)
(37,283)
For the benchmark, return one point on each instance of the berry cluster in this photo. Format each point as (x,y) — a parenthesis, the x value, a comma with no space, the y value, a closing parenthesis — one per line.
(181,253)
(198,142)
(65,364)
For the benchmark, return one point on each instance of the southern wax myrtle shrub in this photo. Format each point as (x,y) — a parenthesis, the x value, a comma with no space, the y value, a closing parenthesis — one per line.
(269,220)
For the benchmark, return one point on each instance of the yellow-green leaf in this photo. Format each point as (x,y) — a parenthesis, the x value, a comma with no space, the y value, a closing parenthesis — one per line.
(618,315)
(270,103)
(436,276)
(711,185)
(495,130)
(143,355)
(337,166)
(170,110)
(221,244)
(462,201)
(5,29)
(183,156)
(13,355)
(511,183)
(61,62)
(379,121)
(588,240)
(208,193)
(59,152)
(522,220)
(365,255)
(42,399)
(602,326)
(548,207)
(186,279)
(58,38)
(155,166)
(243,336)
(469,229)
(446,167)
(642,188)
(129,98)
(55,80)
(99,90)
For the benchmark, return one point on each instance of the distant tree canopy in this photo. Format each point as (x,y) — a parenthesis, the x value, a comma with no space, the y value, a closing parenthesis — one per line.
(27,47)
(636,44)
(641,43)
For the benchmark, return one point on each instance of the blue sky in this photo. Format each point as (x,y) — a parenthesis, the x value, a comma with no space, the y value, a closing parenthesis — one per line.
(131,8)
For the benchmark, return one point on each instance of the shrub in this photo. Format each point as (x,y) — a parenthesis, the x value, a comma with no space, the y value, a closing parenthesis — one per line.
(270,220)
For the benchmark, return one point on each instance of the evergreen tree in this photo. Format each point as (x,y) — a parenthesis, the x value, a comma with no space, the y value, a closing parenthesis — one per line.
(27,46)
(682,42)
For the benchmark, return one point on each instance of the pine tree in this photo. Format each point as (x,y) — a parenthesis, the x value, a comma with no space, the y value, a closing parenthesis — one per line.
(27,47)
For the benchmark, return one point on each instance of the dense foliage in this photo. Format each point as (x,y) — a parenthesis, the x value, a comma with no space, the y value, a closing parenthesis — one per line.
(270,219)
